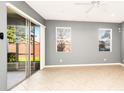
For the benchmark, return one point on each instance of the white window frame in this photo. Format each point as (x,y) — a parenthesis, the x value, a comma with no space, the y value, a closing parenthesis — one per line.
(62,39)
(110,38)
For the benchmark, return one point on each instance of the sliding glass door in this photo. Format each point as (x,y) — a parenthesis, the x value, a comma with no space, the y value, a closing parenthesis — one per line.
(17,48)
(35,47)
(23,48)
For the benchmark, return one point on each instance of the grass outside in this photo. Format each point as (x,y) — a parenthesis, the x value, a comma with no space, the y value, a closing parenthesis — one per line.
(23,59)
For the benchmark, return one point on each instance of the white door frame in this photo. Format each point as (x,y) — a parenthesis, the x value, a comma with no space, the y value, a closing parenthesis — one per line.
(42,32)
(42,47)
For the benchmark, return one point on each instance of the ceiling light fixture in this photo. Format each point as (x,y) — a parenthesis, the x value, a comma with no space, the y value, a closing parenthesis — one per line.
(92,4)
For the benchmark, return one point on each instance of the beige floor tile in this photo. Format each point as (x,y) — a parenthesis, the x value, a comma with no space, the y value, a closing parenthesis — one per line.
(76,78)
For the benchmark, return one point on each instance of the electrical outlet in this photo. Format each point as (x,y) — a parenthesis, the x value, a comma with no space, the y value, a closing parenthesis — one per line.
(123,60)
(105,59)
(60,60)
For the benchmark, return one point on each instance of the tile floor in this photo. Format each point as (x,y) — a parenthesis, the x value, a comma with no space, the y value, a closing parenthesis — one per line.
(76,78)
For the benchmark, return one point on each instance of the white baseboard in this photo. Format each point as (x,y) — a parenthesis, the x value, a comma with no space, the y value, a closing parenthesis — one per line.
(122,64)
(79,65)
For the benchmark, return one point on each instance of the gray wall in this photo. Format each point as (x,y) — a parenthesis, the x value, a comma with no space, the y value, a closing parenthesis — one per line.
(3,28)
(122,42)
(84,43)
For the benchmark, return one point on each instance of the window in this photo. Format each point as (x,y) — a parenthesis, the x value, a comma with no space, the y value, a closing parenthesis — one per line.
(105,40)
(63,39)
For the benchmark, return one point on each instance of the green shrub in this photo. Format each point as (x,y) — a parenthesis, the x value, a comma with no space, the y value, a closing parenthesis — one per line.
(11,34)
(11,57)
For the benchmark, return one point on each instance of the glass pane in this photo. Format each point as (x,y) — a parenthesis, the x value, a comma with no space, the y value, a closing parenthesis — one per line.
(35,47)
(23,48)
(37,44)
(105,40)
(17,51)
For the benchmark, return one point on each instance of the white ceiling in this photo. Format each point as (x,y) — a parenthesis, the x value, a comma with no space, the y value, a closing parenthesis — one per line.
(112,11)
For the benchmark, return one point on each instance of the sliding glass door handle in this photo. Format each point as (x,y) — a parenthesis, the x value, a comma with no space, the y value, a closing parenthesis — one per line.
(1,35)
